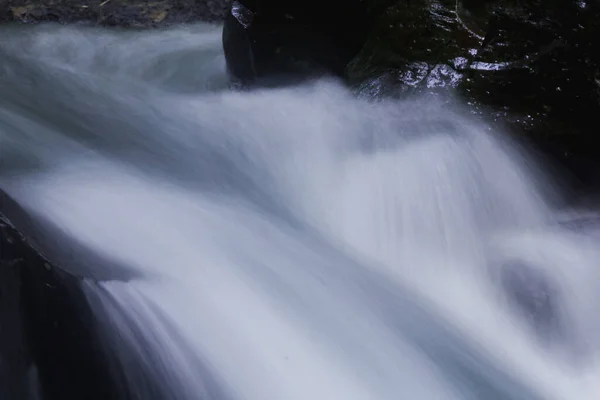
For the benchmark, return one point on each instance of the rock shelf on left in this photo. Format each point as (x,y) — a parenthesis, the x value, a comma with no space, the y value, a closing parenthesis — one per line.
(47,335)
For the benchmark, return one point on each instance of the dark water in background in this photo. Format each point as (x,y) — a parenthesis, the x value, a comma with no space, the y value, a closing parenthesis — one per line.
(296,243)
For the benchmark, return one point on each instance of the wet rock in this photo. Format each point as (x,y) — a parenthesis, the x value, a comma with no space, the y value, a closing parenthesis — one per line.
(530,65)
(123,13)
(292,38)
(237,44)
(58,336)
(14,353)
(46,324)
(60,329)
(73,257)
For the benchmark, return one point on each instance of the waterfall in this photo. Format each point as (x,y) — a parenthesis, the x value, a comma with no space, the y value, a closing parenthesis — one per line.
(299,242)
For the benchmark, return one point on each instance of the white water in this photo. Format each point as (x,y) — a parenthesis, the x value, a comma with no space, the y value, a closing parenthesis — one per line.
(295,243)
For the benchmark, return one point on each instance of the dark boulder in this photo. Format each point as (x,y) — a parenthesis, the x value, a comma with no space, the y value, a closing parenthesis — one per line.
(15,358)
(62,332)
(47,324)
(50,336)
(291,39)
(532,66)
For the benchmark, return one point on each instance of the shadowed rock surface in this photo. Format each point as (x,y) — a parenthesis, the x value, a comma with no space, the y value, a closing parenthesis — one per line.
(49,338)
(52,343)
(56,333)
(268,38)
(123,13)
(51,327)
(14,352)
(531,65)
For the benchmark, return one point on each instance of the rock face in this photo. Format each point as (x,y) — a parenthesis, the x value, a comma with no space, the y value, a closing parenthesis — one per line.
(57,337)
(531,65)
(263,39)
(124,13)
(15,358)
(46,326)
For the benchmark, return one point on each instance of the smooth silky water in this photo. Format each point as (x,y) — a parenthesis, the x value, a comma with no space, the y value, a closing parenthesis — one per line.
(298,242)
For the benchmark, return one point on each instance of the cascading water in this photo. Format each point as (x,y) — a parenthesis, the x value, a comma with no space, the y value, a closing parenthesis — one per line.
(294,243)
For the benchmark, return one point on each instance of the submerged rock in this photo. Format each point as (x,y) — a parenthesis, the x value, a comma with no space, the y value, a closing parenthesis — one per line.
(535,296)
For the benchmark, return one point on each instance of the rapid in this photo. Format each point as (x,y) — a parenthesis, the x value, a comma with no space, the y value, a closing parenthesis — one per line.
(300,242)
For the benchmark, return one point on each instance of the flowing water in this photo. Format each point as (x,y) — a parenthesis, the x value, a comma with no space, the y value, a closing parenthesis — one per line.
(299,242)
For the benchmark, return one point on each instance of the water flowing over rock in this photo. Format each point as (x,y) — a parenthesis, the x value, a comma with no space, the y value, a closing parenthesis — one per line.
(531,65)
(46,327)
(54,344)
(175,239)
